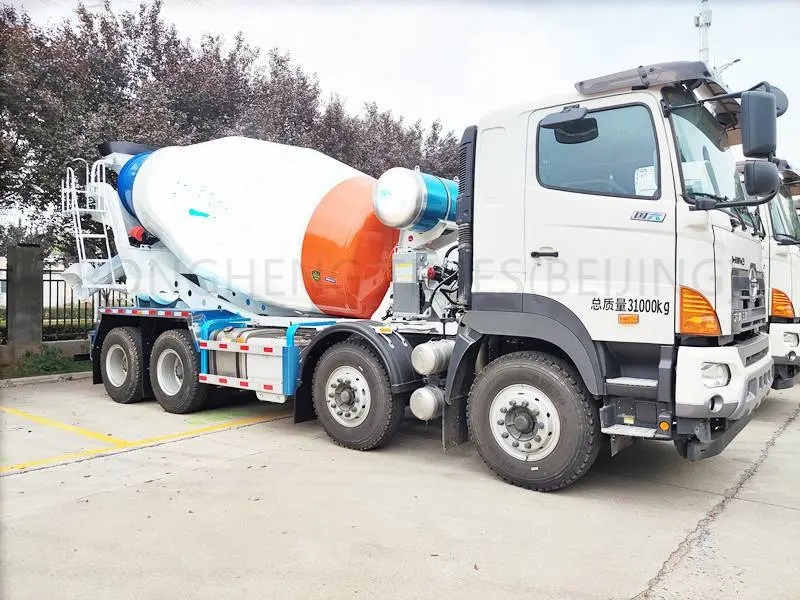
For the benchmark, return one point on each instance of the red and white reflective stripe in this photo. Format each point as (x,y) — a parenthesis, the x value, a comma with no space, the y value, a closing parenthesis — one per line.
(146,312)
(257,385)
(248,348)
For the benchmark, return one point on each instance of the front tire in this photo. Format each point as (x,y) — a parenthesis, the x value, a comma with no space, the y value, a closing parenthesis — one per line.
(352,397)
(533,421)
(121,364)
(175,371)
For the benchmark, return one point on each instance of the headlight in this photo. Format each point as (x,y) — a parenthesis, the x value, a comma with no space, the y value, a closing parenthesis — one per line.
(791,339)
(715,374)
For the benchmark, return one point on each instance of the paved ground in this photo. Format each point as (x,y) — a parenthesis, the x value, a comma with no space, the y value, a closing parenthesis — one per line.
(128,502)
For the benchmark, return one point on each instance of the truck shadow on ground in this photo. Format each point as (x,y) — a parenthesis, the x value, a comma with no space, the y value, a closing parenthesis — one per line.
(647,462)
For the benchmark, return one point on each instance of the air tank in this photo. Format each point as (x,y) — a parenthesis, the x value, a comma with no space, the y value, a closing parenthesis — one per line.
(289,228)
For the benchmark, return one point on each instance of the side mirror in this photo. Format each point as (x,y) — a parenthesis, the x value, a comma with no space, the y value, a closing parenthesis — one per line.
(571,125)
(577,132)
(570,114)
(781,99)
(761,178)
(759,124)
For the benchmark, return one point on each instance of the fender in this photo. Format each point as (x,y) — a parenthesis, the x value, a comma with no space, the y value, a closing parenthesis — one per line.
(535,317)
(513,315)
(393,349)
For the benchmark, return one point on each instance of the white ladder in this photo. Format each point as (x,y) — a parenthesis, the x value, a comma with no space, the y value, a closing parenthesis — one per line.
(77,200)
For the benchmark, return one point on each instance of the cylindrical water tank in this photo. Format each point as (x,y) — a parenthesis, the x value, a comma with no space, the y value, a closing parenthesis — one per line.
(411,199)
(287,227)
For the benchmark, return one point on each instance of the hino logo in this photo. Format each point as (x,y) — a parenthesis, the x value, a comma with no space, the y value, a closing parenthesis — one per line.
(753,282)
(737,260)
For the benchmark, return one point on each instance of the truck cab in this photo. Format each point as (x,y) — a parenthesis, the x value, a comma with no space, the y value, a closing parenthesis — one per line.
(599,232)
(782,252)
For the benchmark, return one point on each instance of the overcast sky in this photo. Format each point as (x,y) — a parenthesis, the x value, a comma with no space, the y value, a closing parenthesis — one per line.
(457,60)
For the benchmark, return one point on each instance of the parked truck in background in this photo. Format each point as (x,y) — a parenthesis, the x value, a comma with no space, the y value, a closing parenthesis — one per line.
(781,240)
(581,279)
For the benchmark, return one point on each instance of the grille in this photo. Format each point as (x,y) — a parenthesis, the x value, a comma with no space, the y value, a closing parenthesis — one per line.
(749,311)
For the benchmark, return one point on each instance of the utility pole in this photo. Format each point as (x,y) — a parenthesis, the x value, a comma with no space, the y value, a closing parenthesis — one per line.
(703,23)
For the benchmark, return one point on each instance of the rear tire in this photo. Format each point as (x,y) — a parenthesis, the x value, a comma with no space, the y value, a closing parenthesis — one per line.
(352,397)
(121,364)
(533,421)
(175,371)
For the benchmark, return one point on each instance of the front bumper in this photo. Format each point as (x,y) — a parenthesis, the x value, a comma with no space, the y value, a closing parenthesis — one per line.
(782,353)
(697,449)
(751,373)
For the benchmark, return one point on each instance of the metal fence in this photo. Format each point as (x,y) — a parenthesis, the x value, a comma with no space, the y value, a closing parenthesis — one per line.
(64,317)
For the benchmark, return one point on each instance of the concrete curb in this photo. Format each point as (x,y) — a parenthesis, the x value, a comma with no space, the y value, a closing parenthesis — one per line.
(54,378)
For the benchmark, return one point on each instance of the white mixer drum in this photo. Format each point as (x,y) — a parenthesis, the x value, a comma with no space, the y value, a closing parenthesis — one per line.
(287,227)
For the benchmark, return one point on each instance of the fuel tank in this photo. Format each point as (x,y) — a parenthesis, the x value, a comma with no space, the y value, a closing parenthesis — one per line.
(288,227)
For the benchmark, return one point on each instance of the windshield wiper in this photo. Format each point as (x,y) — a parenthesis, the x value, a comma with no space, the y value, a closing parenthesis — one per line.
(784,239)
(762,231)
(735,216)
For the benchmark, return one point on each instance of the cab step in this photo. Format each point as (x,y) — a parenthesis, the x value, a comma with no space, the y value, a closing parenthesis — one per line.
(632,387)
(630,431)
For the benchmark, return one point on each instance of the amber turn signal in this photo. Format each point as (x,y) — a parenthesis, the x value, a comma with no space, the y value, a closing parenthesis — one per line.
(781,305)
(697,315)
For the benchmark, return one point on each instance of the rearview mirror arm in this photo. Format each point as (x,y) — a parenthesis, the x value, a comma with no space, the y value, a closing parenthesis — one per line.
(709,204)
(731,96)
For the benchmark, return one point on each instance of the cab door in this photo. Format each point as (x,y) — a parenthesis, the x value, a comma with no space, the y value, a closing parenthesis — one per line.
(600,219)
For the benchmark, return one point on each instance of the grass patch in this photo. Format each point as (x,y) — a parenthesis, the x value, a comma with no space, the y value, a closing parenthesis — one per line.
(46,361)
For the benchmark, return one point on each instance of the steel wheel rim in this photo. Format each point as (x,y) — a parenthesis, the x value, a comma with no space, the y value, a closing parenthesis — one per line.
(116,366)
(524,422)
(169,370)
(347,396)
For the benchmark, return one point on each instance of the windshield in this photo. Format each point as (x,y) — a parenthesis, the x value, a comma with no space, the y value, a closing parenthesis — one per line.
(785,221)
(708,166)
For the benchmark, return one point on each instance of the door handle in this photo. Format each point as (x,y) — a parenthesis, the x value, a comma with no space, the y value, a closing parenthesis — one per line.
(542,253)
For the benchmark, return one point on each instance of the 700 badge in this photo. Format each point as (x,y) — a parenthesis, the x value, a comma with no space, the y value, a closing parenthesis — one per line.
(632,305)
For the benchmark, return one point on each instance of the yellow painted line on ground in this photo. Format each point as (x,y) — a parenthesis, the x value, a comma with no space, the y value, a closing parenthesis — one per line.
(56,459)
(209,429)
(137,443)
(95,435)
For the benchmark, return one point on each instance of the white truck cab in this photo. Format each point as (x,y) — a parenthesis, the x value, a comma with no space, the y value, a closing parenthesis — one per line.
(601,234)
(782,252)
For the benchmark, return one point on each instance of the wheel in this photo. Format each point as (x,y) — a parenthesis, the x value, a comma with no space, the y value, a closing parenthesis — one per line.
(174,373)
(352,397)
(533,421)
(121,364)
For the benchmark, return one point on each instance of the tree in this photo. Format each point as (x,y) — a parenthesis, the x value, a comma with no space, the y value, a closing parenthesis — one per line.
(104,76)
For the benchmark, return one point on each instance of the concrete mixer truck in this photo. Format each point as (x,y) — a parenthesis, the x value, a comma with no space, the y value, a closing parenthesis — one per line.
(580,281)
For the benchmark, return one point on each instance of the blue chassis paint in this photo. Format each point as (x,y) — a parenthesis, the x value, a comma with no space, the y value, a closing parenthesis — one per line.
(210,321)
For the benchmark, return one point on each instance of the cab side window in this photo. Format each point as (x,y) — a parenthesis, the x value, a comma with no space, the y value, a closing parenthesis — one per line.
(616,157)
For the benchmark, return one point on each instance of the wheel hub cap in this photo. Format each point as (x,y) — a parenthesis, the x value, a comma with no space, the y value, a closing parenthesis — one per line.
(117,365)
(348,396)
(169,371)
(524,422)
